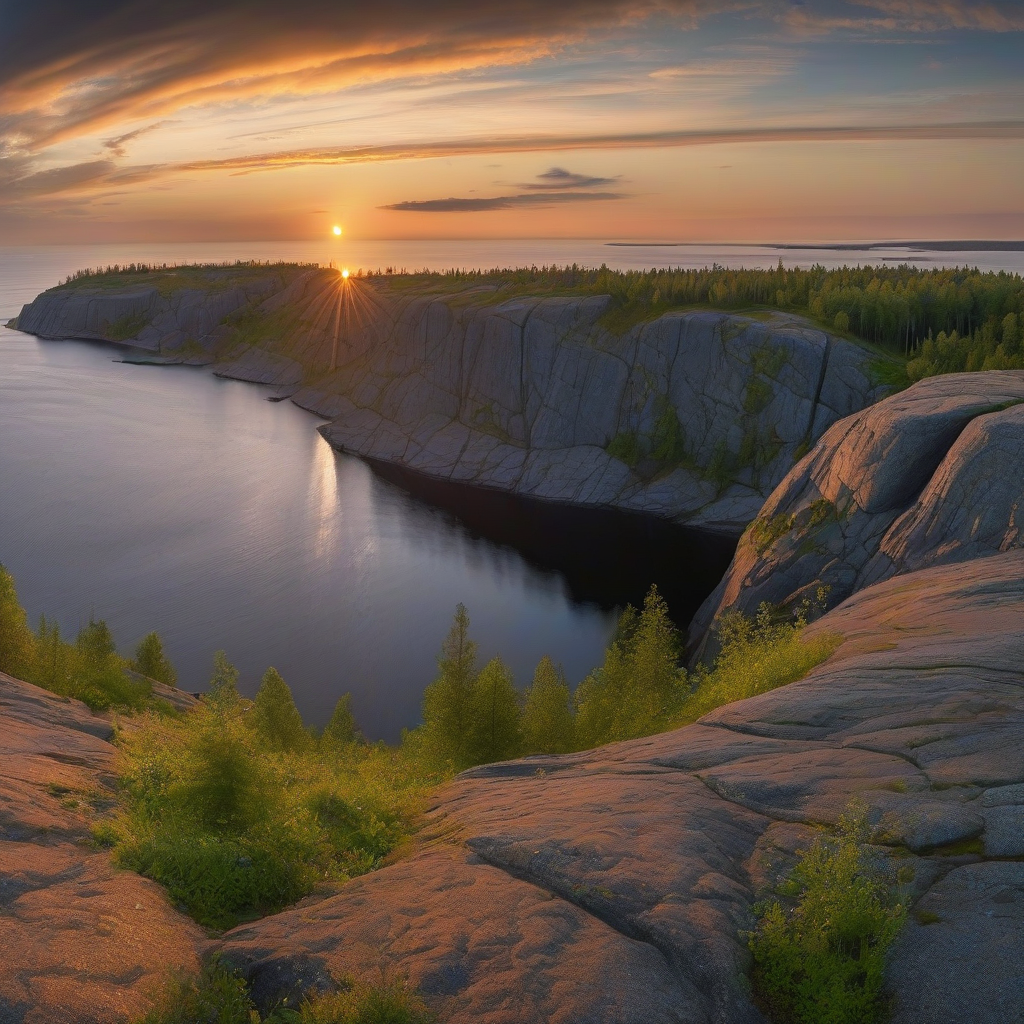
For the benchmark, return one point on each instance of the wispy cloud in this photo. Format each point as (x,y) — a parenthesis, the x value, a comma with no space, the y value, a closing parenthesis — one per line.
(19,180)
(454,205)
(118,145)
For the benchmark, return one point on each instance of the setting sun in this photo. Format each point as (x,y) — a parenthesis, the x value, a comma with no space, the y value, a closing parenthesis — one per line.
(337,230)
(344,274)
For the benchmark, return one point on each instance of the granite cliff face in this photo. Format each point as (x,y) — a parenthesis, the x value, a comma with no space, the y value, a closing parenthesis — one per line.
(692,416)
(931,476)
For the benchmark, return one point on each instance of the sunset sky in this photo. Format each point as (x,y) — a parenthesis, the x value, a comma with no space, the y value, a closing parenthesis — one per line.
(685,120)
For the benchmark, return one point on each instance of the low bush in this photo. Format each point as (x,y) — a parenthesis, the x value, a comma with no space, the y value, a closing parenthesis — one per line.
(757,655)
(235,826)
(219,996)
(819,953)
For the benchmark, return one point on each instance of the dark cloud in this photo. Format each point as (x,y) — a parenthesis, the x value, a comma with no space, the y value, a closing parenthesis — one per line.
(454,205)
(559,178)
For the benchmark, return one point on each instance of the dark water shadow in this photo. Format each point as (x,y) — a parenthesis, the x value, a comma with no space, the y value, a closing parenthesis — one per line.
(606,557)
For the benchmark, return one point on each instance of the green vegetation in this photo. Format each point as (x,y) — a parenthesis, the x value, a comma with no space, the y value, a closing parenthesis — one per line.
(757,655)
(151,661)
(895,307)
(89,669)
(239,810)
(127,327)
(765,532)
(941,320)
(219,996)
(819,952)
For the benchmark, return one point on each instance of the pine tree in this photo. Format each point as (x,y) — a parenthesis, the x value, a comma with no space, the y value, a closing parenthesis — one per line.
(17,644)
(151,661)
(447,701)
(275,716)
(495,731)
(342,726)
(547,716)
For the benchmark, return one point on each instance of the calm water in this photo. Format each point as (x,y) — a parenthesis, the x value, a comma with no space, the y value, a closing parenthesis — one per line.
(166,498)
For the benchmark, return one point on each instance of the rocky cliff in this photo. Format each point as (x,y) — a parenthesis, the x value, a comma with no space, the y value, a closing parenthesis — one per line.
(612,885)
(931,476)
(692,416)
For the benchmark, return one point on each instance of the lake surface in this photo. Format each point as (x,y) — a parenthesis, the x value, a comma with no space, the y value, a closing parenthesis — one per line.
(165,498)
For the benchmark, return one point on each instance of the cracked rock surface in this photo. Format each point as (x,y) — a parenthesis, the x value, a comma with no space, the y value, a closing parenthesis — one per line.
(709,410)
(614,885)
(81,942)
(927,477)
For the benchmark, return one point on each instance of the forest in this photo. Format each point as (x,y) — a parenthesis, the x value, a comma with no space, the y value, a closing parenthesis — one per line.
(940,320)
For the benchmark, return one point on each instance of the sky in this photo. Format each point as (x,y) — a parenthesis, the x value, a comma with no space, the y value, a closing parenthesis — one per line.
(642,120)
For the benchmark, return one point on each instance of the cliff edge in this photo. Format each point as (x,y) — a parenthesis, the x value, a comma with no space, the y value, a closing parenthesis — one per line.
(692,416)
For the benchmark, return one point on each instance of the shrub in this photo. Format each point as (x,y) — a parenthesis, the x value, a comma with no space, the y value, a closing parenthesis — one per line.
(757,655)
(626,448)
(822,960)
(233,828)
(390,1002)
(765,532)
(220,996)
(216,996)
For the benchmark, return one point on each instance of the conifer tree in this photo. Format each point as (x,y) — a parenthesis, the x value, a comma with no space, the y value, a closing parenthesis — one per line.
(640,683)
(547,716)
(16,640)
(342,726)
(275,716)
(224,682)
(495,731)
(151,661)
(447,701)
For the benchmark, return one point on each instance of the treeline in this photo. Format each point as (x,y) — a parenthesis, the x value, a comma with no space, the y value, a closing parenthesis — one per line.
(118,269)
(87,668)
(899,307)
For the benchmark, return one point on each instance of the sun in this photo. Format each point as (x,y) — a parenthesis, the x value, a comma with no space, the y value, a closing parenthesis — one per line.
(337,229)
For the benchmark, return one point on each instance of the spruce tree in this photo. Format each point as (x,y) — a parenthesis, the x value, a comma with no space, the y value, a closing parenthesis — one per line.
(447,701)
(17,644)
(547,717)
(151,661)
(640,684)
(274,715)
(495,732)
(342,726)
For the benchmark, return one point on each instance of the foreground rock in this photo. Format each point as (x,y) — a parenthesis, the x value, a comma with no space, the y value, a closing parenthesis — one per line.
(691,416)
(80,941)
(615,885)
(928,477)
